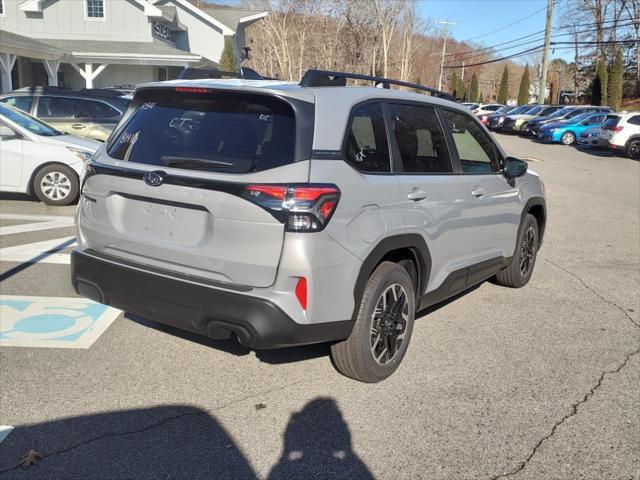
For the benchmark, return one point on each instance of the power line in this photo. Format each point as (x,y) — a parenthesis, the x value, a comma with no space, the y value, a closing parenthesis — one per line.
(539,48)
(492,50)
(506,26)
(627,22)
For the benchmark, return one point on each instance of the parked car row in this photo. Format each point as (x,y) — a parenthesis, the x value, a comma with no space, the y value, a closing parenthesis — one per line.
(587,125)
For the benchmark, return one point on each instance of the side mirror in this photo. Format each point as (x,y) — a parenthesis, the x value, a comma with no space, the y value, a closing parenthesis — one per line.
(514,167)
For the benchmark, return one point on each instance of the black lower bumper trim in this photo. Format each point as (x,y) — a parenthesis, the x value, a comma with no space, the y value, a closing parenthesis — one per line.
(258,323)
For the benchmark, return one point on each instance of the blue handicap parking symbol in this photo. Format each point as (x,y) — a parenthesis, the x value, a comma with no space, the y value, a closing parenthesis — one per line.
(52,321)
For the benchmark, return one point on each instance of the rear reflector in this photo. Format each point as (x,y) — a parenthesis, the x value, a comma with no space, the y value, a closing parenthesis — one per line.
(301,292)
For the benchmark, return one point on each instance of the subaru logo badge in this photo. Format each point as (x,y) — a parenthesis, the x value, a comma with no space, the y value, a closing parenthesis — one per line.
(154,179)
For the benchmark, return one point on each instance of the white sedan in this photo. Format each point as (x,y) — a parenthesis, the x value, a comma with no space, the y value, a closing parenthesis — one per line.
(35,158)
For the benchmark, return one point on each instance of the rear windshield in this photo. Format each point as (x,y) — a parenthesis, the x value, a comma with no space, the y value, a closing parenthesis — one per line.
(612,122)
(208,131)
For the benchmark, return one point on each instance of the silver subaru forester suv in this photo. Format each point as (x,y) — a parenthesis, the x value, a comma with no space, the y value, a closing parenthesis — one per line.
(289,214)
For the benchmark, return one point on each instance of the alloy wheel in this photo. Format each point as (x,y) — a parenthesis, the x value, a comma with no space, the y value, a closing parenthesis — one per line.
(55,186)
(527,251)
(389,324)
(634,150)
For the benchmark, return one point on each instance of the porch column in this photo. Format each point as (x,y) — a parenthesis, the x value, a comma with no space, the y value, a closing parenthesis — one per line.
(7,60)
(51,66)
(88,73)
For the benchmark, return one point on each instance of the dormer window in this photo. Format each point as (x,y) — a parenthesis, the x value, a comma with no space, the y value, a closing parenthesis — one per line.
(95,9)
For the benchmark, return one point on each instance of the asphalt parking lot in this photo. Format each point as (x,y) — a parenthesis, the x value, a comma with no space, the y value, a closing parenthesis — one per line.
(537,383)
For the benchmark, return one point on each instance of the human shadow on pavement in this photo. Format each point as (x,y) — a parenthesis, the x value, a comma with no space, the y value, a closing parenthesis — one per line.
(169,442)
(178,443)
(317,444)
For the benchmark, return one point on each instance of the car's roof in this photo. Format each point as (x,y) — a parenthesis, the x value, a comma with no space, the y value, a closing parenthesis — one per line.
(317,95)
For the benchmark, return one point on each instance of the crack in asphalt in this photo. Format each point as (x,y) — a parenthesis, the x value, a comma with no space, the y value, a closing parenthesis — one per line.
(592,290)
(574,411)
(154,425)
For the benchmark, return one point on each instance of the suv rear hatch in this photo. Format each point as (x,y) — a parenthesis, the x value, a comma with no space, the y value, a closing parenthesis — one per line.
(171,190)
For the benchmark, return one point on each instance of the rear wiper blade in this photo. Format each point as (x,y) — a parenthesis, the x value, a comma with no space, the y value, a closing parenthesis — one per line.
(190,162)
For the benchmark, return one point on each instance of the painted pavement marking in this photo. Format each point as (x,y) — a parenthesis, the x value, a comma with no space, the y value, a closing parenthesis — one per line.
(46,251)
(38,222)
(52,322)
(4,431)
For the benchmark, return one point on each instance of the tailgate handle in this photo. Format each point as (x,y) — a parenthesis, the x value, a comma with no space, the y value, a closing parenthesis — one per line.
(78,126)
(478,192)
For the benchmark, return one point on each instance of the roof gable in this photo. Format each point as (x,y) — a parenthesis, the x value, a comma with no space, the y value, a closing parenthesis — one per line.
(149,9)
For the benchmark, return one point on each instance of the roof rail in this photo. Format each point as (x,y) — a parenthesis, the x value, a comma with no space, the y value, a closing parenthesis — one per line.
(325,78)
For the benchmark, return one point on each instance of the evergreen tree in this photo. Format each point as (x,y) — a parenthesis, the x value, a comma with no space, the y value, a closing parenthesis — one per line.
(616,80)
(480,98)
(454,84)
(473,90)
(523,93)
(599,92)
(461,90)
(503,93)
(228,62)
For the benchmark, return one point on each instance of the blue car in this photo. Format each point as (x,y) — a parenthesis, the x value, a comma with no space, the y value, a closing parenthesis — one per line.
(567,131)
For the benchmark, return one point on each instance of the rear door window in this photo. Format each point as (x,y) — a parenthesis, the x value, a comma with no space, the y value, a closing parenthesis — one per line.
(477,152)
(208,131)
(59,107)
(366,143)
(95,109)
(635,120)
(420,140)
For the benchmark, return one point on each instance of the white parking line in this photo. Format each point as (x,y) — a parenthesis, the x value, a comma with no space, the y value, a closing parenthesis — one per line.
(39,252)
(37,222)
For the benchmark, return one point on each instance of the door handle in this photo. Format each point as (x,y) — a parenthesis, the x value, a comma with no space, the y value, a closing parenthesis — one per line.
(78,126)
(478,192)
(417,195)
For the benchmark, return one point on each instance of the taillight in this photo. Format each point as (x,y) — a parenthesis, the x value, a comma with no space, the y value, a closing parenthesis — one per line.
(617,129)
(301,207)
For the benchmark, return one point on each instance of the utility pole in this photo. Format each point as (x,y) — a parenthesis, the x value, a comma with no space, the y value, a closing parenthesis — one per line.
(462,75)
(542,86)
(446,24)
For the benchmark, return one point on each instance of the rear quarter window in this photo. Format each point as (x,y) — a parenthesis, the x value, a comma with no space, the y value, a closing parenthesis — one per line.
(217,131)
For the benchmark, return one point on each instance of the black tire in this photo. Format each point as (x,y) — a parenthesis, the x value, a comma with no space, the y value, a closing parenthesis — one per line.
(63,181)
(513,275)
(354,357)
(568,138)
(633,149)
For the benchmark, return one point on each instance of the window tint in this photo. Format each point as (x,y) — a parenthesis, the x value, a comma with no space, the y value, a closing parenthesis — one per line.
(635,120)
(22,103)
(223,132)
(94,109)
(420,139)
(367,147)
(59,107)
(477,152)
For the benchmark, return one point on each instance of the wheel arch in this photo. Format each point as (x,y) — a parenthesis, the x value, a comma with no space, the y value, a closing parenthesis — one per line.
(410,246)
(537,207)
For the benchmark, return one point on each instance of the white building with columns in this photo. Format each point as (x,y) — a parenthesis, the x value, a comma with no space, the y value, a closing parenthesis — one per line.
(102,43)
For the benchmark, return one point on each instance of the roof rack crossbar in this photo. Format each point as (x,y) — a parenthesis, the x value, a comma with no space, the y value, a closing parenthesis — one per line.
(326,78)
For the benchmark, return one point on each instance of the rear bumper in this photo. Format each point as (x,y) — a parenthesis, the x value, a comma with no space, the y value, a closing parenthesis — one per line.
(258,323)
